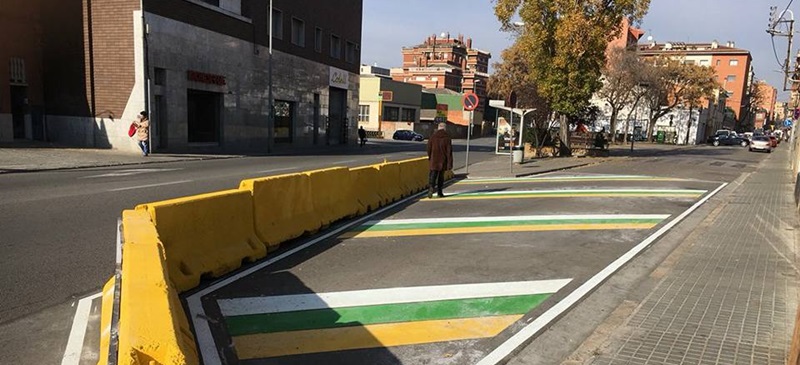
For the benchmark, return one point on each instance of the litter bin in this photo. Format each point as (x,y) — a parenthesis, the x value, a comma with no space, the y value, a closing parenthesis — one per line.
(518,153)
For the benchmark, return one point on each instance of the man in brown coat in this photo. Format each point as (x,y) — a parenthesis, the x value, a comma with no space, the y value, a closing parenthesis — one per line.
(440,159)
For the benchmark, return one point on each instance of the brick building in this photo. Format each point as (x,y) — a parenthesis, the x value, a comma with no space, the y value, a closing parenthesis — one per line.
(442,62)
(200,67)
(766,110)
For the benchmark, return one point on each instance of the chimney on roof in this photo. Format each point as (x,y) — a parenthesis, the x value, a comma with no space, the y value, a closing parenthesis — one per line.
(733,44)
(728,44)
(469,43)
(714,44)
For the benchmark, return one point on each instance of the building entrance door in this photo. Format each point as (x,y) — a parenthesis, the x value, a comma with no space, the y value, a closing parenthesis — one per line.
(337,116)
(19,96)
(204,116)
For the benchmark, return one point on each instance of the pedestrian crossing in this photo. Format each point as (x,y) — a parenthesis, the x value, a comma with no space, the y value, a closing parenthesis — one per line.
(426,306)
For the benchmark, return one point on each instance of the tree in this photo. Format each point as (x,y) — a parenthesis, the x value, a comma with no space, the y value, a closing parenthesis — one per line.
(669,82)
(620,78)
(565,43)
(512,75)
(755,99)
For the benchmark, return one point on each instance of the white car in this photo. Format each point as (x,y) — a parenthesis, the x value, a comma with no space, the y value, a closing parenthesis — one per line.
(760,143)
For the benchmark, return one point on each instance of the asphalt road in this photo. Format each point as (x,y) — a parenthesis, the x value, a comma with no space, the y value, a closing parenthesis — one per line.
(58,229)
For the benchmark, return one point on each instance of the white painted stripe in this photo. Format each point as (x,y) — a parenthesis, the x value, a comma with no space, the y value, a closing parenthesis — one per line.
(205,341)
(514,218)
(130,172)
(357,298)
(343,162)
(579,191)
(275,170)
(506,348)
(72,354)
(568,177)
(151,185)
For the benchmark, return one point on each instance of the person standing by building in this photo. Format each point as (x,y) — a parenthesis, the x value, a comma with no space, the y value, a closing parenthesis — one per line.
(362,136)
(440,159)
(143,132)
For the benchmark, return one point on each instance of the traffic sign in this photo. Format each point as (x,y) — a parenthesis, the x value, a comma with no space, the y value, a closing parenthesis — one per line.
(787,123)
(470,101)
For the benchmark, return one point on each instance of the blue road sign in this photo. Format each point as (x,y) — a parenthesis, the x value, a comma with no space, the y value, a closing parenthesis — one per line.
(787,123)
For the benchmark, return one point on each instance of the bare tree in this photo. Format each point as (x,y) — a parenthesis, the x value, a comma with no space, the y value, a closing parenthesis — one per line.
(620,78)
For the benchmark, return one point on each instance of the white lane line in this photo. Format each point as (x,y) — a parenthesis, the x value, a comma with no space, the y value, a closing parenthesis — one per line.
(342,162)
(517,218)
(72,354)
(151,185)
(205,341)
(274,170)
(581,191)
(507,347)
(128,173)
(356,298)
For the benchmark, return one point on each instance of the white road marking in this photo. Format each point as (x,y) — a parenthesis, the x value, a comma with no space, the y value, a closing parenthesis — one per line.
(274,170)
(128,173)
(541,322)
(205,341)
(72,354)
(151,185)
(301,302)
(343,162)
(580,191)
(513,218)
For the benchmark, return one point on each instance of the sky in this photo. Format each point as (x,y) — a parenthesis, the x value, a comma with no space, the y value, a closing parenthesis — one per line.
(389,25)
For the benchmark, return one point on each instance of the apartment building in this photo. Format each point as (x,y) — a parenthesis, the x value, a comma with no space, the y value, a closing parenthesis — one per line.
(766,110)
(202,70)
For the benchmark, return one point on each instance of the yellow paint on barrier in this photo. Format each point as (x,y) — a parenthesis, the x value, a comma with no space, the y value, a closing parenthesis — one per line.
(497,229)
(366,187)
(206,234)
(153,328)
(370,336)
(283,208)
(105,320)
(413,175)
(389,177)
(332,194)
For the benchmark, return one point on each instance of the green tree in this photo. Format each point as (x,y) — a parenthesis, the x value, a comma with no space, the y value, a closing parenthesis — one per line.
(565,43)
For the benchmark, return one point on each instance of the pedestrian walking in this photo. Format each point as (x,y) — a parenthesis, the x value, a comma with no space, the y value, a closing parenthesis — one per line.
(143,132)
(362,136)
(440,159)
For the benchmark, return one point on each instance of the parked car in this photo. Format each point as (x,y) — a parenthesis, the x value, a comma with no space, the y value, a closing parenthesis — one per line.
(761,143)
(407,135)
(727,140)
(773,140)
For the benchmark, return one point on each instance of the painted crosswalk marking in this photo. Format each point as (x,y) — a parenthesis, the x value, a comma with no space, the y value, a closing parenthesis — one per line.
(309,323)
(434,226)
(582,178)
(574,193)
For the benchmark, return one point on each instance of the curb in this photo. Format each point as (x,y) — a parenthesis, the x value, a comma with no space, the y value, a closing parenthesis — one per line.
(20,171)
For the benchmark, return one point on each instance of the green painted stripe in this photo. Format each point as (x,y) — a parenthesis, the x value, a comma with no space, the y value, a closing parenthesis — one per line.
(375,314)
(584,193)
(405,226)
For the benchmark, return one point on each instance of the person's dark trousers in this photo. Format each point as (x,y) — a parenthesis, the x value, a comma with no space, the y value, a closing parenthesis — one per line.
(435,180)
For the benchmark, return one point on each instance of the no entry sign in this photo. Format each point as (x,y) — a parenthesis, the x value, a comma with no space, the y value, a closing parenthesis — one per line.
(470,101)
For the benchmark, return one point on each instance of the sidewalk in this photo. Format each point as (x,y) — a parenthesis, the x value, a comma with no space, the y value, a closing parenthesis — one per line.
(500,166)
(727,295)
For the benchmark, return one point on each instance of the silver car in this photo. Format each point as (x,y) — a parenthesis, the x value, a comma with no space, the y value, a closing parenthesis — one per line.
(760,143)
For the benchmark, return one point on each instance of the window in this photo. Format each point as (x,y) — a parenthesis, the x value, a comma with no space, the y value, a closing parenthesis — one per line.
(318,40)
(277,24)
(704,62)
(734,62)
(718,61)
(391,113)
(298,32)
(688,62)
(363,113)
(159,76)
(350,52)
(730,78)
(16,71)
(336,47)
(408,115)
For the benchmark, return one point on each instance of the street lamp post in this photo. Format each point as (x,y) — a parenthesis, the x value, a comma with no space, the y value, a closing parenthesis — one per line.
(271,119)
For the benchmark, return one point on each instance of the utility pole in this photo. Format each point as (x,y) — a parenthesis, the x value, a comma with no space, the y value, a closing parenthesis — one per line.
(772,28)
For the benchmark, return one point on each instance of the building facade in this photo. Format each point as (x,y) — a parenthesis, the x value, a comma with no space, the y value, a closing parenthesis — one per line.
(201,68)
(386,105)
(766,109)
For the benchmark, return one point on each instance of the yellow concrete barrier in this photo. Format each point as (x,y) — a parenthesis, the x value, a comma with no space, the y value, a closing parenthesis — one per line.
(283,208)
(391,189)
(332,194)
(366,187)
(207,234)
(106,310)
(414,174)
(153,328)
